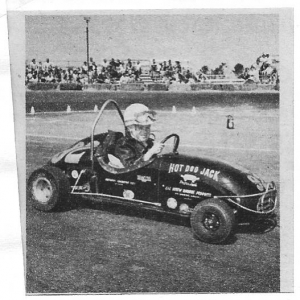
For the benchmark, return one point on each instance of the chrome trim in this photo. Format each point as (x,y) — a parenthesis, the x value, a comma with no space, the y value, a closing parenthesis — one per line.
(263,195)
(118,197)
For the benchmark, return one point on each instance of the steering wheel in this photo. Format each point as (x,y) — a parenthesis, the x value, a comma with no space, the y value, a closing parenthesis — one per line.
(176,141)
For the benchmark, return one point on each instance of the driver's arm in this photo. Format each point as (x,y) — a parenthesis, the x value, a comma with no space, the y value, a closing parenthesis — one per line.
(155,149)
(127,154)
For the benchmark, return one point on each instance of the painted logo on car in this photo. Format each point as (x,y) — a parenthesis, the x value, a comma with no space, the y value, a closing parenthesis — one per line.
(82,188)
(190,178)
(178,168)
(144,178)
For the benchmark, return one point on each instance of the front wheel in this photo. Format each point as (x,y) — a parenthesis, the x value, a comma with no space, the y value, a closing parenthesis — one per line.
(47,188)
(212,221)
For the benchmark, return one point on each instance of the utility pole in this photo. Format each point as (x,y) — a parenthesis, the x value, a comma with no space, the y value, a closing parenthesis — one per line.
(87,19)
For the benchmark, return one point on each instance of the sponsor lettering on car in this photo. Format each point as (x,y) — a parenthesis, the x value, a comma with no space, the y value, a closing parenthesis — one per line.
(178,168)
(188,192)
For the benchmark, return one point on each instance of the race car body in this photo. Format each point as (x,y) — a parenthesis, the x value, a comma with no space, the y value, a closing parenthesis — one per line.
(213,193)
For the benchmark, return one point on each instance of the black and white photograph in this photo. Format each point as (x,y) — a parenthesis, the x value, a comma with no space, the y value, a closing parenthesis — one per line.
(154,150)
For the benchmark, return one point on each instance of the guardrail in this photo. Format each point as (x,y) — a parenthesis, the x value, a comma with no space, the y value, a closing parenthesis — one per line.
(132,87)
(222,85)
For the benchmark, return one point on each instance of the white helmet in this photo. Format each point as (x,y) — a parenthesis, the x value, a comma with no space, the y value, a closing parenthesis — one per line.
(138,114)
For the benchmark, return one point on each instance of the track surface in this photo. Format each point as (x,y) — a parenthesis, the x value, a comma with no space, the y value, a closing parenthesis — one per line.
(93,248)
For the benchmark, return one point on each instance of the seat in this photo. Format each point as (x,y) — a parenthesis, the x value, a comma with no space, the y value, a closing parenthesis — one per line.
(114,162)
(108,161)
(106,149)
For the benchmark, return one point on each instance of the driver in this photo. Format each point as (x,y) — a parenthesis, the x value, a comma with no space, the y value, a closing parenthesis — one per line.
(137,146)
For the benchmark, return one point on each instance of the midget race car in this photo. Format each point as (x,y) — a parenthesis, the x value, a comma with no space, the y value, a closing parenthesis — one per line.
(214,194)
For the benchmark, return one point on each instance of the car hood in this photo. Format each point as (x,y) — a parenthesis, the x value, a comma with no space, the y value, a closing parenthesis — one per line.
(224,176)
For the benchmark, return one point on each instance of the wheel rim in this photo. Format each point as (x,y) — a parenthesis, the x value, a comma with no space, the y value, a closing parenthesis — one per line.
(42,190)
(211,221)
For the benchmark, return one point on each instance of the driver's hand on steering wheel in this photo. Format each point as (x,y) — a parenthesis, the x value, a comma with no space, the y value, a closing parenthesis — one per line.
(155,149)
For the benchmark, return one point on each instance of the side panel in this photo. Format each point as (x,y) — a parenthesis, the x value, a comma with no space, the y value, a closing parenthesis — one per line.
(185,183)
(139,184)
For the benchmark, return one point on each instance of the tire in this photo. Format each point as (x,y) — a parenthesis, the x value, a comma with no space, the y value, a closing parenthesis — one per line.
(48,188)
(212,221)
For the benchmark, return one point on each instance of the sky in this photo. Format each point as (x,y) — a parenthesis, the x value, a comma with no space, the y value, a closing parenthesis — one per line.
(202,39)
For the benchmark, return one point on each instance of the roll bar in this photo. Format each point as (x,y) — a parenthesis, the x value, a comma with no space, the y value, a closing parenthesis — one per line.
(96,121)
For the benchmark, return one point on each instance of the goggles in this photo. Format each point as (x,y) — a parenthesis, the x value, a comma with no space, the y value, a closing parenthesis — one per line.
(145,117)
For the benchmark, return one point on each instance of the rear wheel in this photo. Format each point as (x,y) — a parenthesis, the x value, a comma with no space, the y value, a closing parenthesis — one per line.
(212,221)
(47,188)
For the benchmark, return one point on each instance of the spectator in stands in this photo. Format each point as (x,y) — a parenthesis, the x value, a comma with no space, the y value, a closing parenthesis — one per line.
(253,74)
(191,80)
(122,69)
(85,79)
(124,78)
(104,65)
(47,66)
(118,68)
(159,68)
(153,68)
(177,67)
(40,67)
(28,77)
(177,77)
(112,63)
(64,76)
(34,78)
(170,66)
(94,76)
(129,65)
(50,77)
(108,78)
(188,74)
(84,68)
(33,65)
(245,75)
(131,78)
(43,77)
(166,80)
(101,77)
(162,68)
(90,69)
(94,67)
(263,58)
(138,69)
(117,63)
(56,75)
(165,67)
(46,77)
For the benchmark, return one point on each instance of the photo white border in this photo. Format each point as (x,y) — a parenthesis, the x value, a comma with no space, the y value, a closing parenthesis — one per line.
(79,5)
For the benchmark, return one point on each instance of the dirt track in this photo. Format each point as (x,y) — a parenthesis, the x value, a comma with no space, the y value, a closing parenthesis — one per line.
(111,249)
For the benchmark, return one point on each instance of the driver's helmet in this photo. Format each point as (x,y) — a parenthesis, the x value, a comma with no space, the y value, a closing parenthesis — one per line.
(138,114)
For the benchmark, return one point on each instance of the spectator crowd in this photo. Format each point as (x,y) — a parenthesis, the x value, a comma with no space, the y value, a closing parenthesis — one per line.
(264,70)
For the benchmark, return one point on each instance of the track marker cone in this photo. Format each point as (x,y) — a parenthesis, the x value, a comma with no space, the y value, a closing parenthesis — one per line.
(32,111)
(194,110)
(96,108)
(174,110)
(68,109)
